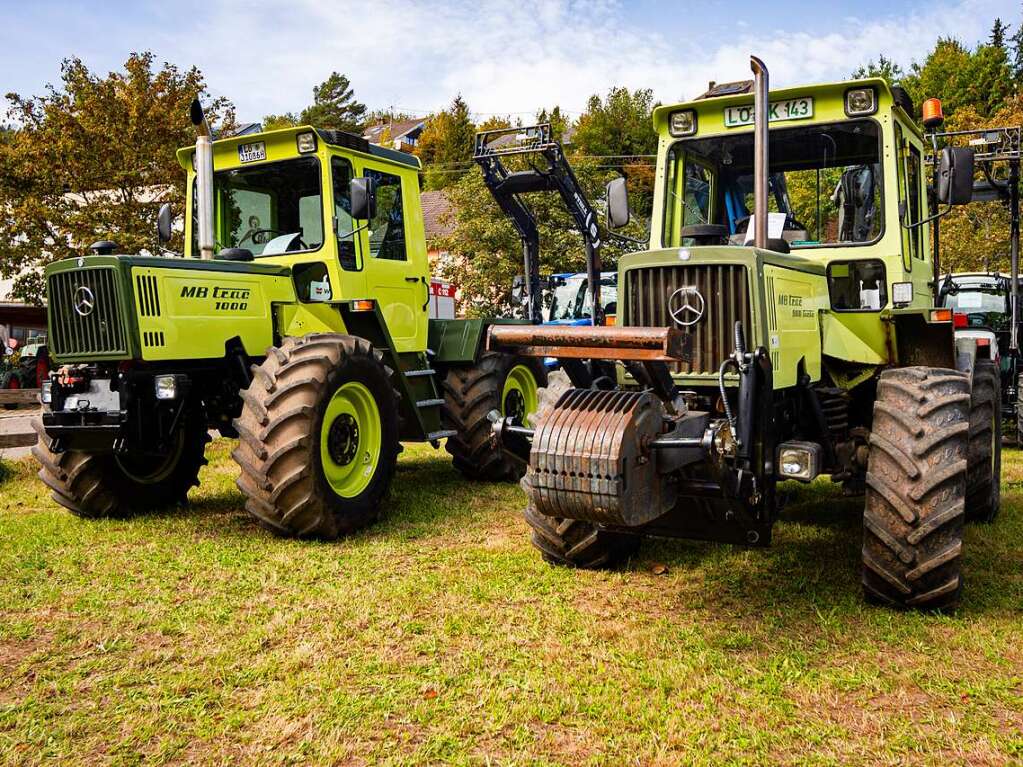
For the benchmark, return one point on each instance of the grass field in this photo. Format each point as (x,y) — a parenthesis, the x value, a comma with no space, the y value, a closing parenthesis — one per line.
(438,636)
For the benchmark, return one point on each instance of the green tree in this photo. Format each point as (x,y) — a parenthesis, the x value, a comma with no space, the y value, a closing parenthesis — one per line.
(94,159)
(981,79)
(445,145)
(884,68)
(560,124)
(334,106)
(998,34)
(286,120)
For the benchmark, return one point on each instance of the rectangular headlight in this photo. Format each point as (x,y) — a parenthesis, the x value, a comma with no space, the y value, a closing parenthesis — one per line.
(860,102)
(799,460)
(682,123)
(46,393)
(166,387)
(306,142)
(902,293)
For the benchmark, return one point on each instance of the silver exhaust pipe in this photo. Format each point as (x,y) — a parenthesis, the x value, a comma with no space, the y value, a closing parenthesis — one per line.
(761,162)
(203,180)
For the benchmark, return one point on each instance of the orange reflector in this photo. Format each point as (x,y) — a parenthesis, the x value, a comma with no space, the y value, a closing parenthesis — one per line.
(609,319)
(932,114)
(983,342)
(941,315)
(960,320)
(363,305)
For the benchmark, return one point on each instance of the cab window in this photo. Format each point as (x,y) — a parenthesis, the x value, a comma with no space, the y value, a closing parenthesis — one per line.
(387,227)
(689,196)
(910,204)
(344,225)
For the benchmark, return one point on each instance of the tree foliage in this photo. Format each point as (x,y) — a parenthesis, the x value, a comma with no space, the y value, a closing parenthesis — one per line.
(334,106)
(91,159)
(445,145)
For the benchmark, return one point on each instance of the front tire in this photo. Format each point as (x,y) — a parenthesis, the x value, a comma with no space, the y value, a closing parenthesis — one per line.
(983,482)
(916,485)
(97,485)
(501,382)
(318,436)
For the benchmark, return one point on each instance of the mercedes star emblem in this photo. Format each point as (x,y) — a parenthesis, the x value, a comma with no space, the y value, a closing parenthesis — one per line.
(85,301)
(686,306)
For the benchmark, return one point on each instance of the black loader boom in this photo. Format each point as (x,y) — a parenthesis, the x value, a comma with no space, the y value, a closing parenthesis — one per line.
(553,175)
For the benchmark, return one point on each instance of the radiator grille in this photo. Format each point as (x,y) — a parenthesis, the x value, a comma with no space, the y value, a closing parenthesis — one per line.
(147,295)
(100,330)
(724,288)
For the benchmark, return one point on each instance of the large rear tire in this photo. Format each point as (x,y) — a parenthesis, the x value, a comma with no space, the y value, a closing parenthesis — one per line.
(983,482)
(501,382)
(318,436)
(96,485)
(916,486)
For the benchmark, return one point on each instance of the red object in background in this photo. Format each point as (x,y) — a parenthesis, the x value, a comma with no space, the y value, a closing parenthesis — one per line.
(960,320)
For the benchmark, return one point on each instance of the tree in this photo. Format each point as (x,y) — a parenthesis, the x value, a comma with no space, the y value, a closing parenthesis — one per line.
(94,159)
(998,32)
(560,124)
(286,120)
(334,106)
(981,79)
(445,145)
(884,68)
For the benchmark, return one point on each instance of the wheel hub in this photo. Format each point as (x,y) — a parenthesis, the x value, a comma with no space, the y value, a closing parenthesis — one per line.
(343,439)
(515,406)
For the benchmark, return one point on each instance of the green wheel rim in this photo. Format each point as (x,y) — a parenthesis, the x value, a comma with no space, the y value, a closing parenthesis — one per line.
(350,440)
(519,398)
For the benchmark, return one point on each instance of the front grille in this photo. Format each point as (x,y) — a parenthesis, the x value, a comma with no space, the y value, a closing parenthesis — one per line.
(148,295)
(724,288)
(100,331)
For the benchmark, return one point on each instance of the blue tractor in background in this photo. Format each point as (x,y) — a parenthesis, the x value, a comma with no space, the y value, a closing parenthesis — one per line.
(570,301)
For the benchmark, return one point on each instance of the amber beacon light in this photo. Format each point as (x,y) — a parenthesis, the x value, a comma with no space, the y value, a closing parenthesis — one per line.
(932,114)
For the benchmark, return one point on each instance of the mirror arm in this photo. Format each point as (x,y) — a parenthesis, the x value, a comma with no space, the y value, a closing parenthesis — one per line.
(929,219)
(625,238)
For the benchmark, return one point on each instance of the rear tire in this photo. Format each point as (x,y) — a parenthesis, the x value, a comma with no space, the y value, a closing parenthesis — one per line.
(983,482)
(13,383)
(916,485)
(318,436)
(97,485)
(575,543)
(501,382)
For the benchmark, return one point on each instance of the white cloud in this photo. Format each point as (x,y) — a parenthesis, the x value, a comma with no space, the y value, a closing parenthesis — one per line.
(514,57)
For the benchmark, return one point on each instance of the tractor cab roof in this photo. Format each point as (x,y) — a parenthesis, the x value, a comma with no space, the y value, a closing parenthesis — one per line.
(823,102)
(285,141)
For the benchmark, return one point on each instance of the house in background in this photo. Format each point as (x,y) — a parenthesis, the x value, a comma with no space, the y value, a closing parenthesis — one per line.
(18,319)
(398,134)
(438,221)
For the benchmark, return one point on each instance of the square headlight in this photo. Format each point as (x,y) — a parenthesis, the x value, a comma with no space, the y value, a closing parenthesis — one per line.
(860,102)
(306,142)
(46,392)
(902,293)
(799,460)
(166,387)
(682,123)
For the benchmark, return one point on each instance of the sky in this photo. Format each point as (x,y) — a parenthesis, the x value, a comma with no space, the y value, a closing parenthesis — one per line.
(508,58)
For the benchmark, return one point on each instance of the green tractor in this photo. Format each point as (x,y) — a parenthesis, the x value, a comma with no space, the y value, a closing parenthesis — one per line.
(295,320)
(781,326)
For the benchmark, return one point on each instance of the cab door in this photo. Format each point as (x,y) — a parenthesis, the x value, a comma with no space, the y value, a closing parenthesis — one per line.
(395,263)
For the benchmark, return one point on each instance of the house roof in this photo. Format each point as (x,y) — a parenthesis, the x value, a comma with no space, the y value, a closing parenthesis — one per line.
(398,128)
(438,215)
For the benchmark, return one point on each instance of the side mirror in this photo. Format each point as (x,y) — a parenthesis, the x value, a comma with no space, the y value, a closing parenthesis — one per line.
(955,175)
(363,194)
(617,203)
(164,222)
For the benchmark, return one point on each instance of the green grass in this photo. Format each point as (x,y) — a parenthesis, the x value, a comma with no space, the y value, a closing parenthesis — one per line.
(438,636)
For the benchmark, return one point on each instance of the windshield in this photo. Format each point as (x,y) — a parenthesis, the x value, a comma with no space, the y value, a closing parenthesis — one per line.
(984,305)
(824,185)
(269,209)
(571,299)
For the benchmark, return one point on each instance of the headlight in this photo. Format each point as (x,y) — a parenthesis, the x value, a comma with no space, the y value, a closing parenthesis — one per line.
(682,123)
(306,143)
(799,460)
(46,393)
(902,293)
(860,102)
(166,387)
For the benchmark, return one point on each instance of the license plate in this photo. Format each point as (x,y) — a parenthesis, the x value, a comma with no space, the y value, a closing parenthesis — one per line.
(779,111)
(252,152)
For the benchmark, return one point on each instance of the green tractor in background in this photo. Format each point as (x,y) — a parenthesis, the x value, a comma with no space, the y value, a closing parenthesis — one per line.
(296,320)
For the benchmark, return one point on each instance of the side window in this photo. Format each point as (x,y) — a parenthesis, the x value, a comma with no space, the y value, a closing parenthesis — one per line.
(913,172)
(910,237)
(342,174)
(310,221)
(696,200)
(387,228)
(688,201)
